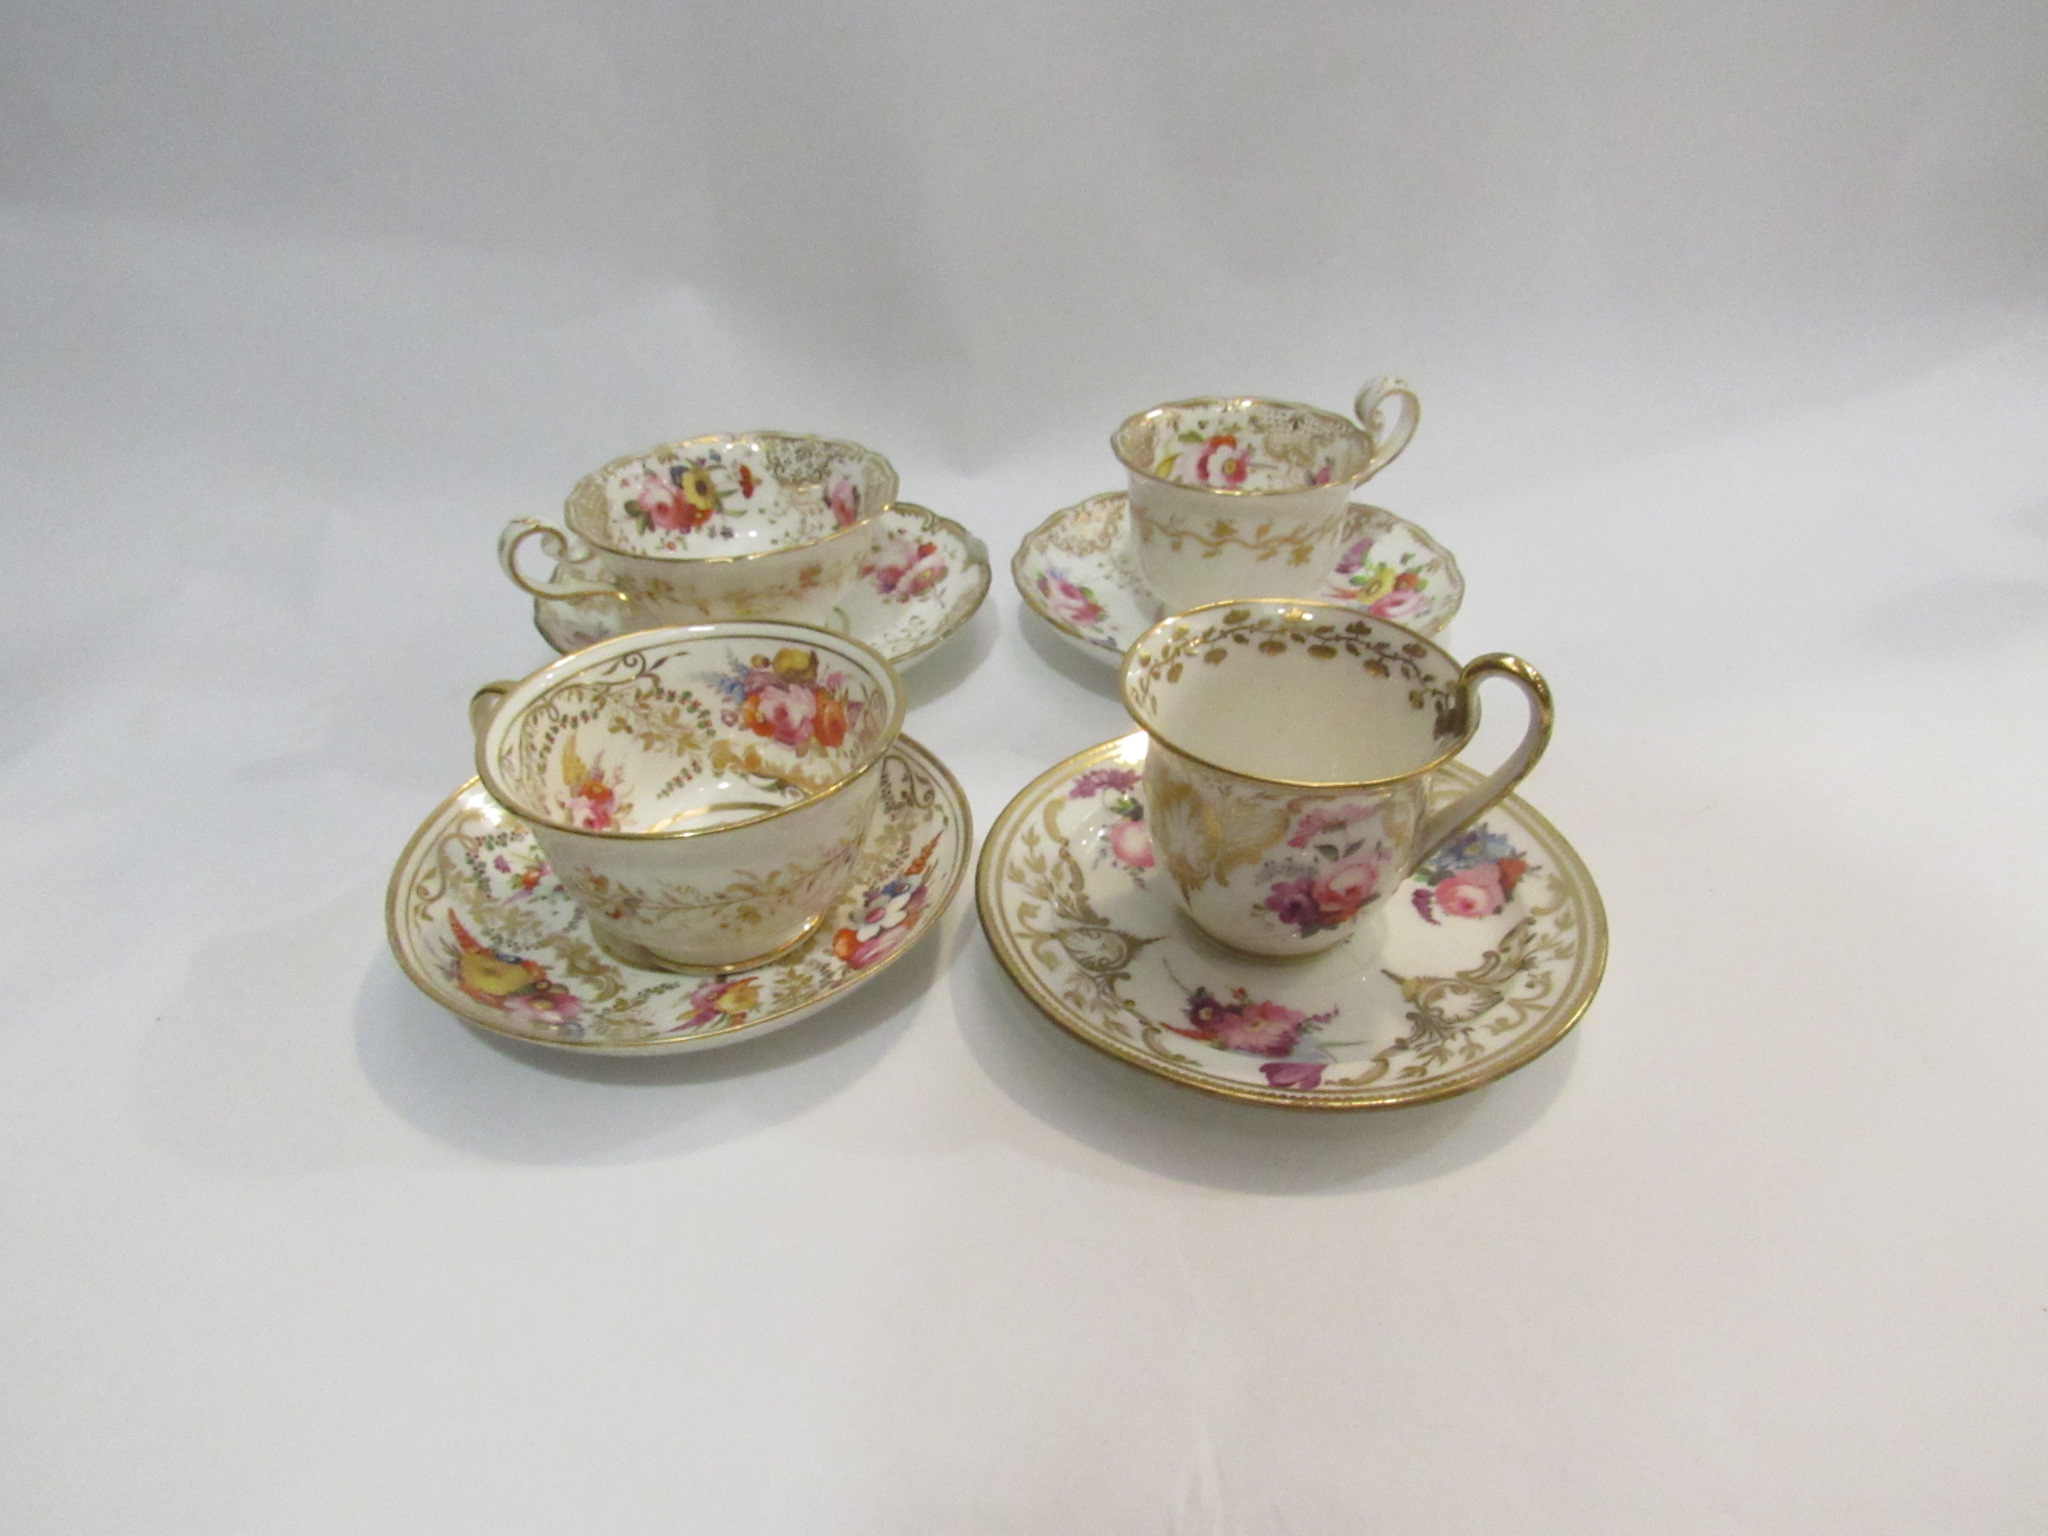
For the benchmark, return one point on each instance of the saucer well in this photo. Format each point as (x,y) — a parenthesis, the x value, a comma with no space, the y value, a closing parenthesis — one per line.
(1078,570)
(924,580)
(1482,961)
(483,927)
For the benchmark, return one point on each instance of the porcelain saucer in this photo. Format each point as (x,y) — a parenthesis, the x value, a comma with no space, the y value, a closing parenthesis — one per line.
(483,927)
(924,580)
(1078,570)
(1478,965)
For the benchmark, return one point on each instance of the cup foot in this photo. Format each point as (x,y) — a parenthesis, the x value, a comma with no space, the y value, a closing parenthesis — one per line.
(1291,957)
(627,952)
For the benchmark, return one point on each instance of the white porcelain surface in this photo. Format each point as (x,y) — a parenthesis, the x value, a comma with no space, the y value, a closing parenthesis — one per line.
(920,580)
(1489,954)
(1244,497)
(703,792)
(480,920)
(1078,571)
(1288,786)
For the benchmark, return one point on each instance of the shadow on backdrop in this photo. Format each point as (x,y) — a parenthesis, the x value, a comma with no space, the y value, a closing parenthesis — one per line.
(1183,1134)
(954,661)
(1098,677)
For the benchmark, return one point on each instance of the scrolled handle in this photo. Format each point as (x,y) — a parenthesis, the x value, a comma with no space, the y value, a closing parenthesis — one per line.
(556,545)
(1387,440)
(1440,826)
(483,705)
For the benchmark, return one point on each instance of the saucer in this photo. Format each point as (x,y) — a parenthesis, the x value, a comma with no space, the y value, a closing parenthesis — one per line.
(1476,966)
(924,580)
(483,927)
(1078,570)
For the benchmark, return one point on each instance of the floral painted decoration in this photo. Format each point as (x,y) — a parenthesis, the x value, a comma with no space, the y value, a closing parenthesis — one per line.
(507,982)
(1073,603)
(1235,1022)
(1227,460)
(1384,590)
(787,699)
(903,568)
(526,875)
(887,915)
(842,496)
(1338,870)
(722,1000)
(683,500)
(1128,839)
(593,791)
(1473,875)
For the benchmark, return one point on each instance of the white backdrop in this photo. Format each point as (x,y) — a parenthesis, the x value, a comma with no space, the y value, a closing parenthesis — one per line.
(1731,327)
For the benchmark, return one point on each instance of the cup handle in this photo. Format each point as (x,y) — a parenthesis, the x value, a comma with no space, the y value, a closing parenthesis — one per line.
(555,544)
(1387,442)
(1440,826)
(483,704)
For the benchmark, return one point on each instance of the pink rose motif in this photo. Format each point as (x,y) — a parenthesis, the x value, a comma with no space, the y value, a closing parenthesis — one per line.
(1070,602)
(906,569)
(545,1007)
(1222,462)
(663,504)
(1263,1029)
(1474,892)
(788,710)
(1343,888)
(1401,603)
(1130,844)
(1239,1024)
(1260,1029)
(1294,1074)
(843,497)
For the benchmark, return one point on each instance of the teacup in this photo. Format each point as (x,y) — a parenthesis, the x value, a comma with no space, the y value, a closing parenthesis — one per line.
(1286,784)
(1244,497)
(765,525)
(703,791)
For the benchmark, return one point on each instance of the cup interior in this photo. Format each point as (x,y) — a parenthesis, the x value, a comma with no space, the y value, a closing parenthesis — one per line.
(723,496)
(1247,445)
(671,731)
(1298,693)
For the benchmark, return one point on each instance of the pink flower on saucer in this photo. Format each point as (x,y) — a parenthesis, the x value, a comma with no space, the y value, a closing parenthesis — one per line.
(1130,844)
(905,568)
(1474,892)
(1072,603)
(1239,1024)
(1400,604)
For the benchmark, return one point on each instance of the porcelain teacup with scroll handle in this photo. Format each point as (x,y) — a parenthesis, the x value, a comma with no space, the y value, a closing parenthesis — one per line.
(759,525)
(1286,783)
(1244,497)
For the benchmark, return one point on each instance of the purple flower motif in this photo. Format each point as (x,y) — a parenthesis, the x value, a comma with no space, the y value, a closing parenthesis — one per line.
(1294,901)
(1294,1074)
(1353,560)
